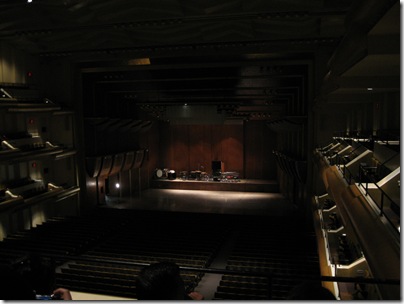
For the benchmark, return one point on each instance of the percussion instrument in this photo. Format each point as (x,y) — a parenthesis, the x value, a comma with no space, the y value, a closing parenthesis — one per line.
(184,175)
(158,173)
(172,175)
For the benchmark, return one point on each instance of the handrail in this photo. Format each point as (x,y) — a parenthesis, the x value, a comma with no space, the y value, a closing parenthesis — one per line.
(349,177)
(362,169)
(383,193)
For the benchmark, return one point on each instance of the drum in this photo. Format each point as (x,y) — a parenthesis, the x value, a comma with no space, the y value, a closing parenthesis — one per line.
(198,175)
(204,176)
(192,175)
(172,175)
(158,173)
(184,175)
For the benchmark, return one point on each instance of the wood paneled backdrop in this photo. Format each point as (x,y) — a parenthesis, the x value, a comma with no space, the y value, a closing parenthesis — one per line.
(244,148)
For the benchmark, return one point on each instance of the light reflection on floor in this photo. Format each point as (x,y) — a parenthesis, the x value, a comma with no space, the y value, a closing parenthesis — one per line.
(201,201)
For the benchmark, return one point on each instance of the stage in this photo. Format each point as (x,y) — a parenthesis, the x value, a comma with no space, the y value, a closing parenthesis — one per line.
(201,201)
(244,196)
(238,185)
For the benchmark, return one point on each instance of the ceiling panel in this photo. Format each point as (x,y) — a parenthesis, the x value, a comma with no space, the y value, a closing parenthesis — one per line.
(247,59)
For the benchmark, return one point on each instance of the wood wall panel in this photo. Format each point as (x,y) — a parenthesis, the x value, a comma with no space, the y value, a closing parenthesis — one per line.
(232,148)
(259,144)
(216,137)
(164,150)
(246,149)
(252,150)
(179,156)
(200,143)
(14,65)
(150,141)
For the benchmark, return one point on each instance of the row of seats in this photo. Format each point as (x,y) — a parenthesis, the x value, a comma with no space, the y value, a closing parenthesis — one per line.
(283,251)
(277,268)
(66,236)
(109,240)
(99,277)
(119,256)
(146,238)
(85,276)
(238,287)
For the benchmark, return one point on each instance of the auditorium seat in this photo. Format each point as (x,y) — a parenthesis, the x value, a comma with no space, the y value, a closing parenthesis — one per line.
(219,295)
(283,251)
(243,284)
(93,276)
(152,258)
(245,279)
(243,290)
(96,284)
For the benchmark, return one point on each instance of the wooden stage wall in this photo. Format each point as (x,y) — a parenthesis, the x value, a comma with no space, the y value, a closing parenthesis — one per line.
(244,148)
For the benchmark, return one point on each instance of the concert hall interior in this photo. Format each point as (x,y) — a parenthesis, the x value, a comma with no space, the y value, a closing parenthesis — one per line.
(256,144)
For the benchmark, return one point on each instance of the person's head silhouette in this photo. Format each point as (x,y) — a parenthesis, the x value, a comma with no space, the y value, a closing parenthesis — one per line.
(160,281)
(14,286)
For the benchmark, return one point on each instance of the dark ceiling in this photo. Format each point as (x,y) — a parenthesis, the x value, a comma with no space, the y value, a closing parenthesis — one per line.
(244,59)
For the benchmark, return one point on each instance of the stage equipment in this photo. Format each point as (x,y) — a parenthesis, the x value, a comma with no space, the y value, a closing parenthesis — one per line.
(230,175)
(172,175)
(192,175)
(158,173)
(204,176)
(217,166)
(184,175)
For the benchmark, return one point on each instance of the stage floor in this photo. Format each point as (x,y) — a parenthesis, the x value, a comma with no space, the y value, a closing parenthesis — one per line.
(241,185)
(203,201)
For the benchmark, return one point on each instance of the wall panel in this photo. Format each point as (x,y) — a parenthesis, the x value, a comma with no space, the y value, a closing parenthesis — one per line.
(243,149)
(216,146)
(200,143)
(259,142)
(232,148)
(179,148)
(13,65)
